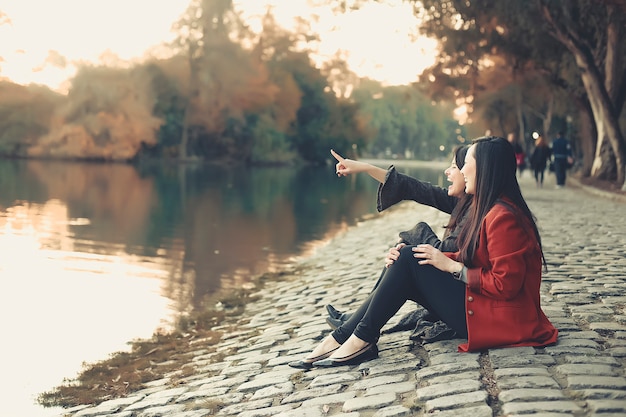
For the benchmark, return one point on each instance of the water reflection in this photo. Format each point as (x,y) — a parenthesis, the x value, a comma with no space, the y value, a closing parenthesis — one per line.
(60,307)
(96,255)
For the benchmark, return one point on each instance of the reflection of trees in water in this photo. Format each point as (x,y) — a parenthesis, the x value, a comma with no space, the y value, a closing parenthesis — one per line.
(235,224)
(208,229)
(113,197)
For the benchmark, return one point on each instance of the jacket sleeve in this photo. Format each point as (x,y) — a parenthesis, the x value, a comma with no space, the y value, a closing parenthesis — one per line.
(507,242)
(398,187)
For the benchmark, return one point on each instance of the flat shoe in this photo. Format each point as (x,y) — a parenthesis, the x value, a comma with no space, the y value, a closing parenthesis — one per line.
(301,364)
(333,323)
(333,312)
(367,353)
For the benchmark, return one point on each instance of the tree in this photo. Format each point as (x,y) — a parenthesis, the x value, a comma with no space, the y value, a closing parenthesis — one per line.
(594,34)
(107,116)
(225,80)
(534,37)
(313,117)
(25,113)
(171,104)
(189,42)
(404,122)
(522,32)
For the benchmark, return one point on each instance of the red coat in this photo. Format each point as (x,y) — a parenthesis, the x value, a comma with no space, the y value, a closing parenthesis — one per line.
(502,303)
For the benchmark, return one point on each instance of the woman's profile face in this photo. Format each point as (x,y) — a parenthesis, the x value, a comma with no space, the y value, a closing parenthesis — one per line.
(469,171)
(454,176)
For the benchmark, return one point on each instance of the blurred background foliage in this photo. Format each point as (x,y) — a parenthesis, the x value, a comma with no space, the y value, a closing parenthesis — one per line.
(225,95)
(229,95)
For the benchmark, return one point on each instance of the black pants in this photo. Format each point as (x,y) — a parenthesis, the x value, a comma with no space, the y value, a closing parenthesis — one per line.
(539,175)
(560,168)
(406,279)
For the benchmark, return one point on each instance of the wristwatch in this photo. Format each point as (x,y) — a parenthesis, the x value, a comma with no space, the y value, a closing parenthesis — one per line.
(457,274)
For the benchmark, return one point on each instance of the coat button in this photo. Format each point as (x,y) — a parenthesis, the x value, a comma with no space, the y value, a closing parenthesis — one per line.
(470,298)
(470,313)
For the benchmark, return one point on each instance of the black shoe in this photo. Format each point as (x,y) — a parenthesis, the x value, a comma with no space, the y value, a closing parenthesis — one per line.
(301,364)
(334,323)
(333,312)
(368,353)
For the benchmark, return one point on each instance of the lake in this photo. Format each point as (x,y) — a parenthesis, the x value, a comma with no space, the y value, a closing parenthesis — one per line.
(97,255)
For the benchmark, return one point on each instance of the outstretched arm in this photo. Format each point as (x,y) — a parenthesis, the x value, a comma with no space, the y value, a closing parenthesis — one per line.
(347,166)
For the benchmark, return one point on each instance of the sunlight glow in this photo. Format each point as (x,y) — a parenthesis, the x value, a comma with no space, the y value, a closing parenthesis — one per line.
(461,114)
(79,31)
(45,41)
(66,327)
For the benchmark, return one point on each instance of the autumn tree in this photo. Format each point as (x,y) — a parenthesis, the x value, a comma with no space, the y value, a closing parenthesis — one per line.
(277,48)
(307,110)
(584,32)
(25,114)
(107,116)
(536,38)
(189,44)
(225,81)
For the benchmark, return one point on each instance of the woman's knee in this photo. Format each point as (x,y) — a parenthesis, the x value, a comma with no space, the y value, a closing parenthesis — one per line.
(407,260)
(404,259)
(406,253)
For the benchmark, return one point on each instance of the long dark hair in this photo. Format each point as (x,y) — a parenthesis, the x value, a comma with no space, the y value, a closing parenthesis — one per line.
(464,202)
(496,182)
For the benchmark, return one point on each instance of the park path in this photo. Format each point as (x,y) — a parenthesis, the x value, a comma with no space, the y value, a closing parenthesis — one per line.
(583,375)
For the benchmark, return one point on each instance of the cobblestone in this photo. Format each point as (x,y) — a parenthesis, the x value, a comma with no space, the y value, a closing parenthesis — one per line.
(583,375)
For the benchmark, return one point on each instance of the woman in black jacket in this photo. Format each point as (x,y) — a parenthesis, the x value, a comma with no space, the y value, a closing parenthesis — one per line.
(395,187)
(539,159)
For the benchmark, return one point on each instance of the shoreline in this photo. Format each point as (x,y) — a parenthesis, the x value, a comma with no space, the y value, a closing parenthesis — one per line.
(209,325)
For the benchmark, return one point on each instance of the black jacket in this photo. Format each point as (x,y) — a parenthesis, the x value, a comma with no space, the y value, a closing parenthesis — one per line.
(399,187)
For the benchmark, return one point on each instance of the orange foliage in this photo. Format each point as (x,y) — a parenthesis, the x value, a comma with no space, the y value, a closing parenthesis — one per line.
(108,115)
(25,113)
(287,102)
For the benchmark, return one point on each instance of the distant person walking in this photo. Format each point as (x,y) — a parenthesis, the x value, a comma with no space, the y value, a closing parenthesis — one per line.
(520,155)
(539,158)
(561,157)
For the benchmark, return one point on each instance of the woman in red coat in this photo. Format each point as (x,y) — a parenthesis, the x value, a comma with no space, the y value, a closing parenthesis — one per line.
(488,291)
(500,256)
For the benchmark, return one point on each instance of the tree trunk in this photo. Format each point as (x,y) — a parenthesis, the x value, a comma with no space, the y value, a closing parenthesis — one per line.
(191,100)
(587,134)
(547,121)
(520,121)
(603,111)
(184,140)
(607,127)
(613,78)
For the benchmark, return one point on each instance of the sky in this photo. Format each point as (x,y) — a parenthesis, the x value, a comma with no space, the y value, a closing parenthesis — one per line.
(45,40)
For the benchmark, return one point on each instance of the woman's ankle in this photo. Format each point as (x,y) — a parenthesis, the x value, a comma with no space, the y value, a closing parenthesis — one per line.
(356,341)
(326,345)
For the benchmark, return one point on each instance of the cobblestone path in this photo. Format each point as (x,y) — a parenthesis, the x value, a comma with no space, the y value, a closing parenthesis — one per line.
(583,375)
